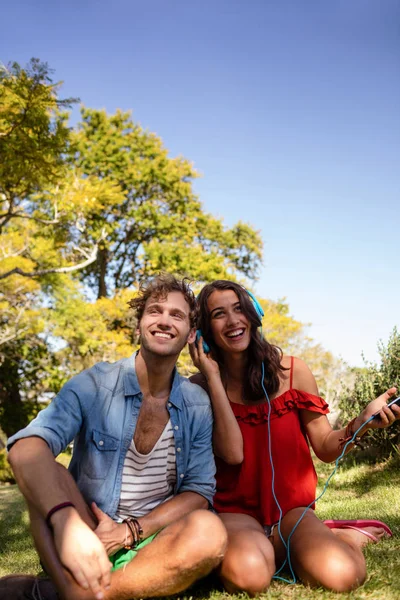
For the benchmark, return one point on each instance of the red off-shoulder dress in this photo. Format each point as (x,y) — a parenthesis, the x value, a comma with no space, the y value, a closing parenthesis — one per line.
(247,488)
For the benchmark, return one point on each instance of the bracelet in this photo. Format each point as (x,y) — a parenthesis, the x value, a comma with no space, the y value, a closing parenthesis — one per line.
(55,509)
(136,531)
(139,530)
(126,545)
(348,435)
(132,531)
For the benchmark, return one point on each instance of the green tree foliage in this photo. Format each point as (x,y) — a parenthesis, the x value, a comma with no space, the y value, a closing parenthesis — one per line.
(370,382)
(43,201)
(103,330)
(103,205)
(161,224)
(33,141)
(279,327)
(33,135)
(88,213)
(43,207)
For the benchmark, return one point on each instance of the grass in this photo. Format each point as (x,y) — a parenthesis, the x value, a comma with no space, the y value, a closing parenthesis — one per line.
(367,491)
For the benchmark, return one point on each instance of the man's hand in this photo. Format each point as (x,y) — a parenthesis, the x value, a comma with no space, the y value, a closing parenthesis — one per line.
(81,551)
(386,416)
(113,535)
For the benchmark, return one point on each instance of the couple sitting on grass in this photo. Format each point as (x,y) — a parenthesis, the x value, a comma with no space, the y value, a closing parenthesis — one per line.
(132,517)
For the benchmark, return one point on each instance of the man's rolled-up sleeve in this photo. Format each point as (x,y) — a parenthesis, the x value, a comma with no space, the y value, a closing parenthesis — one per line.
(61,420)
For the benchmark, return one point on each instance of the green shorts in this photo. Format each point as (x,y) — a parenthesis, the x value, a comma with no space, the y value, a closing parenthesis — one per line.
(123,557)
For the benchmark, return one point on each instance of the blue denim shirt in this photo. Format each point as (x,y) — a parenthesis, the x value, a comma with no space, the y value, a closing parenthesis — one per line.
(99,408)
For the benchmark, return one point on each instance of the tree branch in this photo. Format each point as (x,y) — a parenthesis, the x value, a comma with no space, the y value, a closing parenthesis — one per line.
(13,254)
(91,259)
(11,333)
(37,219)
(7,337)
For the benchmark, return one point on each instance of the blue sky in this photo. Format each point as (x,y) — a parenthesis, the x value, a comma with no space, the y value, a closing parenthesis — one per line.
(289,109)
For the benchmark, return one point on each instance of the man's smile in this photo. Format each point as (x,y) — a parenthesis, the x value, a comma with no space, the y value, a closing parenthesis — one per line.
(163,334)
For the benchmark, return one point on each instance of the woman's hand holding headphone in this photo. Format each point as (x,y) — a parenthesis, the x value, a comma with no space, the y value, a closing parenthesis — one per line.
(203,361)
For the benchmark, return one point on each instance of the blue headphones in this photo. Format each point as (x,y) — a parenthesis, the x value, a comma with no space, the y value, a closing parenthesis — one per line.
(258,308)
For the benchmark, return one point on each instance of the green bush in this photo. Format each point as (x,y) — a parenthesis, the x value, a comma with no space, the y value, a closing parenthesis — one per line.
(6,474)
(370,382)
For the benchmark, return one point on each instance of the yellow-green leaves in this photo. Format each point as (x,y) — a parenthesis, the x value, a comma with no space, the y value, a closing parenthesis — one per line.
(33,133)
(161,223)
(85,214)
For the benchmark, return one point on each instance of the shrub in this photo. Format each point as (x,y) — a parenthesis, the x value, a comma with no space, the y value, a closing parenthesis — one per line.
(370,382)
(6,474)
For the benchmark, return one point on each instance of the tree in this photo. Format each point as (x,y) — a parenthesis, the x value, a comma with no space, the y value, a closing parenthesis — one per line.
(91,332)
(279,327)
(42,209)
(34,145)
(104,205)
(28,292)
(33,136)
(161,224)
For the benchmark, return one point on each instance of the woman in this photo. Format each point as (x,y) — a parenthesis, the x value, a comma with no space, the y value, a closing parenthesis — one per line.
(267,405)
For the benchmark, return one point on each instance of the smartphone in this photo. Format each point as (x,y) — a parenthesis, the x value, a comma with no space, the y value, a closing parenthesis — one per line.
(395,401)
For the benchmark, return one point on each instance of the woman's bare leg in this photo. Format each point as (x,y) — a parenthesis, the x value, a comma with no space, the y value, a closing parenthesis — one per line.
(319,556)
(249,561)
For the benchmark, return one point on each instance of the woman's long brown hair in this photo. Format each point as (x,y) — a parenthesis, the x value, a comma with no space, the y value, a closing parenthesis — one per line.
(259,350)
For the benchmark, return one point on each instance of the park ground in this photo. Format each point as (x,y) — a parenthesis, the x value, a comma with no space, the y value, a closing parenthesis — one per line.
(357,491)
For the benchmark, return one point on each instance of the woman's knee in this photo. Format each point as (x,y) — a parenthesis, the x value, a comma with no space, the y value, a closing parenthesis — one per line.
(248,569)
(343,572)
(338,570)
(321,558)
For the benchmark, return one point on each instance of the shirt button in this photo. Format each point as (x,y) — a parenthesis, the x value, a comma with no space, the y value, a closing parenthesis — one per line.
(181,476)
(178,449)
(176,427)
(169,404)
(101,443)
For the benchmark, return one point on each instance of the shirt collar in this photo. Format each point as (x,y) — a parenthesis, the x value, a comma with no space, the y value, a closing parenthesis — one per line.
(130,380)
(132,387)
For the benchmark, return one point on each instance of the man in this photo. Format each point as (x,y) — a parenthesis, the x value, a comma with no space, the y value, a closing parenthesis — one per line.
(141,475)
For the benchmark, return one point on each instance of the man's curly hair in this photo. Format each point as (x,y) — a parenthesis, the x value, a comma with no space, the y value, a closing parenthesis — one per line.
(159,287)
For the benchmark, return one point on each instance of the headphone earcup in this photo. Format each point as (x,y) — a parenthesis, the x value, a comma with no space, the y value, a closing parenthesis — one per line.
(206,347)
(257,305)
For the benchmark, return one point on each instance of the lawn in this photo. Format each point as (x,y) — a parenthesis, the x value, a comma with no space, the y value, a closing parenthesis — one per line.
(368,491)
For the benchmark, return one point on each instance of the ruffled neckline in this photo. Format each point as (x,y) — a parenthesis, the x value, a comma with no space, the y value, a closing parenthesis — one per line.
(281,405)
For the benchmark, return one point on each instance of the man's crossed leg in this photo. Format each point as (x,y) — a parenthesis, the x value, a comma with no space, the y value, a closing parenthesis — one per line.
(181,553)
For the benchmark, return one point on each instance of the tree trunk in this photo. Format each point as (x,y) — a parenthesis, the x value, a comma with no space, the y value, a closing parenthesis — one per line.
(102,260)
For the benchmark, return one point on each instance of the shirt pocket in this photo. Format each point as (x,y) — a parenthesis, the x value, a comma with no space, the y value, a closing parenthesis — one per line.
(102,452)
